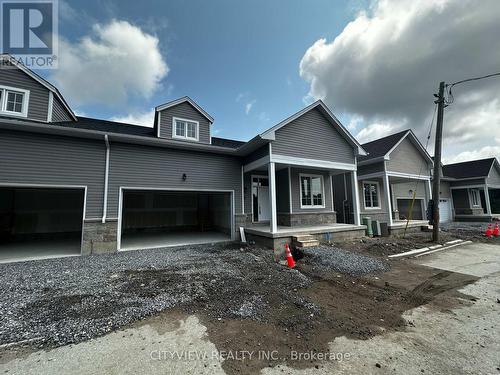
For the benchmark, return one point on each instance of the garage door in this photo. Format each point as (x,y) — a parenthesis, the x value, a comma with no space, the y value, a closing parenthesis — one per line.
(154,218)
(404,209)
(40,222)
(444,210)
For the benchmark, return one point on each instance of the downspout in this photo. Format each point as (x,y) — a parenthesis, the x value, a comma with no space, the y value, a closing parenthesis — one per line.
(106,179)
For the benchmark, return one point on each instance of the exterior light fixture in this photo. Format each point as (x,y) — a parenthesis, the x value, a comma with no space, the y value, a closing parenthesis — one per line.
(184,177)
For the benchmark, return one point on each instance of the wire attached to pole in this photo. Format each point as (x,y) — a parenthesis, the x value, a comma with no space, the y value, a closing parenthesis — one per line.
(449,86)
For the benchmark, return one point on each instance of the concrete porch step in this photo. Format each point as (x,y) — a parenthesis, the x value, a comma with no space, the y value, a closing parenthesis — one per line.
(303,237)
(306,243)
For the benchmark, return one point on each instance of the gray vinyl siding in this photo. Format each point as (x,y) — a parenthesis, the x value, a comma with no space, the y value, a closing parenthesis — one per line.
(494,177)
(39,95)
(59,113)
(150,167)
(402,190)
(370,168)
(406,158)
(188,112)
(257,154)
(296,198)
(444,190)
(27,158)
(476,181)
(312,136)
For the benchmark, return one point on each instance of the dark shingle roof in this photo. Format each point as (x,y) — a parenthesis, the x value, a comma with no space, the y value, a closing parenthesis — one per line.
(107,126)
(223,142)
(469,169)
(381,146)
(129,129)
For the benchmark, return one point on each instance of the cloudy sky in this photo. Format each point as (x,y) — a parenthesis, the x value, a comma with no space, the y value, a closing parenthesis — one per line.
(250,64)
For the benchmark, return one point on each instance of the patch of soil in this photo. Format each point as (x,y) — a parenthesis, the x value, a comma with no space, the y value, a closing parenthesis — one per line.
(358,308)
(384,246)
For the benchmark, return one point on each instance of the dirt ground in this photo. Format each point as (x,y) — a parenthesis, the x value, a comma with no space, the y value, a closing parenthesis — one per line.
(268,307)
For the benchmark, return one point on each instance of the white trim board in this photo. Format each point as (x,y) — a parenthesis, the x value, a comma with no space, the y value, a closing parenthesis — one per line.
(50,109)
(185,99)
(139,188)
(314,163)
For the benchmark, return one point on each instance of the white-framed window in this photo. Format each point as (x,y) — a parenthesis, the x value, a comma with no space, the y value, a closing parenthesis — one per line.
(312,191)
(14,101)
(475,198)
(371,194)
(185,129)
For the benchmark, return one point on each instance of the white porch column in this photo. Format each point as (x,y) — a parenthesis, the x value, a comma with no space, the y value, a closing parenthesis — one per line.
(387,192)
(355,196)
(487,199)
(272,197)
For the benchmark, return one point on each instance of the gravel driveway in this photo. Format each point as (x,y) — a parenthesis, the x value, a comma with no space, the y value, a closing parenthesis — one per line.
(68,300)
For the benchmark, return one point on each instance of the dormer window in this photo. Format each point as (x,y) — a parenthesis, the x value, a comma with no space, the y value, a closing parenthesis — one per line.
(14,101)
(185,129)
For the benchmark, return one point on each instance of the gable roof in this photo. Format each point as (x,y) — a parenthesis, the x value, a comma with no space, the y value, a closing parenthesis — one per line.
(380,149)
(470,169)
(270,134)
(183,100)
(40,80)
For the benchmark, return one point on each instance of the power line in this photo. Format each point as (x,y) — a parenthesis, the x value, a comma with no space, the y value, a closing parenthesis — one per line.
(449,86)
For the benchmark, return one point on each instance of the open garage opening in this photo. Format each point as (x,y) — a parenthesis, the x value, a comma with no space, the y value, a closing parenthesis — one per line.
(40,223)
(154,218)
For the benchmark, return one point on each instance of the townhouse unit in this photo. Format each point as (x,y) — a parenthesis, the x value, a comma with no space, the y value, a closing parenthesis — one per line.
(79,185)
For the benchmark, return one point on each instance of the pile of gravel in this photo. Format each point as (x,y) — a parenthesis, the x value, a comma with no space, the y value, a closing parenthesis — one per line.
(324,259)
(69,300)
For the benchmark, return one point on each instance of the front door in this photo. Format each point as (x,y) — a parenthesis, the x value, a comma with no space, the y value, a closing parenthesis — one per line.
(264,203)
(260,201)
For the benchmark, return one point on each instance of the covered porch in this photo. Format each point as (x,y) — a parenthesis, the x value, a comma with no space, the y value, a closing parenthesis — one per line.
(288,196)
(396,198)
(476,202)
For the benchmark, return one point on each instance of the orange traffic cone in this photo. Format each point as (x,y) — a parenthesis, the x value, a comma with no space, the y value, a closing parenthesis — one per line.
(496,231)
(289,258)
(489,231)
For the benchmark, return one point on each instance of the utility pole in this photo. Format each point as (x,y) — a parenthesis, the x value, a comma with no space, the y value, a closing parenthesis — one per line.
(437,161)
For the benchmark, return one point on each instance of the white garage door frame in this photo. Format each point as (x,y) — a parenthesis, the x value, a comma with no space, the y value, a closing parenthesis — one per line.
(52,186)
(138,188)
(450,214)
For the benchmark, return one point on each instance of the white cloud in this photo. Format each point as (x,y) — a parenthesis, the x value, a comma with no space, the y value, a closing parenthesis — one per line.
(375,131)
(386,64)
(249,105)
(483,153)
(141,118)
(117,61)
(263,117)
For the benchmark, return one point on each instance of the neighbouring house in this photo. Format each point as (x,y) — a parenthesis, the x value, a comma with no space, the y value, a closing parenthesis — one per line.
(474,189)
(394,181)
(84,185)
